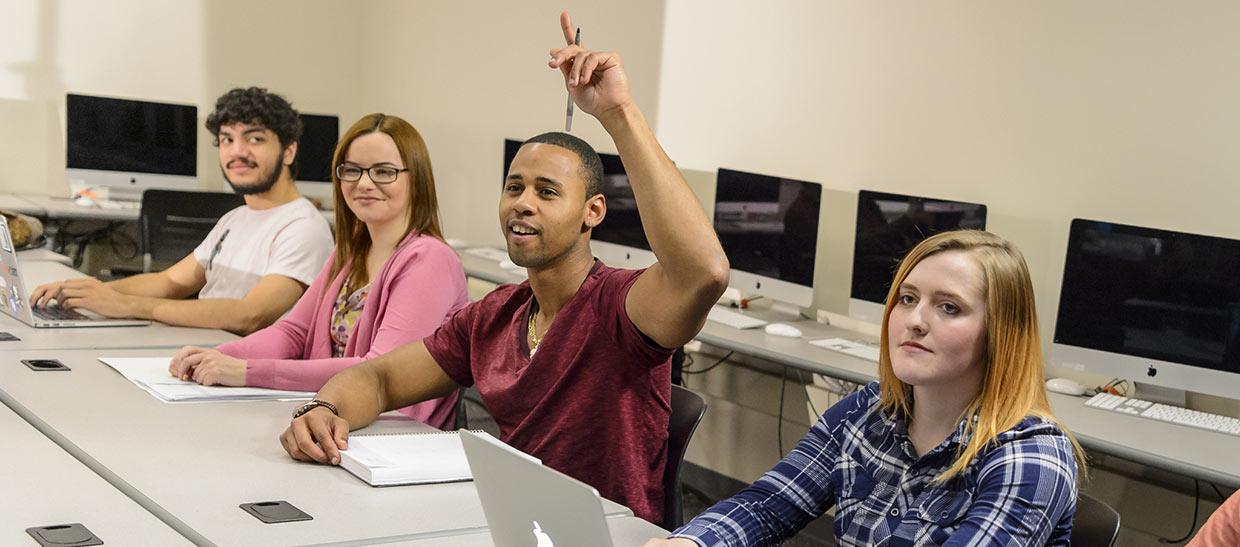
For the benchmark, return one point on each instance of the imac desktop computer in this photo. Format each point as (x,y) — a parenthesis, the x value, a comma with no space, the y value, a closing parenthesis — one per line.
(888,227)
(1157,307)
(768,227)
(619,241)
(127,146)
(319,134)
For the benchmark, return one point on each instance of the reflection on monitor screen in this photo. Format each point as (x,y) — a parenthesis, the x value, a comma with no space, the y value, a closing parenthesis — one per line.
(314,151)
(768,227)
(888,227)
(1139,300)
(136,136)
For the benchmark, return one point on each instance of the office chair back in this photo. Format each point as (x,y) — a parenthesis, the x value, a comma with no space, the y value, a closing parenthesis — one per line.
(174,222)
(687,411)
(1095,523)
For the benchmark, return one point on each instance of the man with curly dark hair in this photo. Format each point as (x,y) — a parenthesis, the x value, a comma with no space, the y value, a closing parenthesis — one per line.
(257,260)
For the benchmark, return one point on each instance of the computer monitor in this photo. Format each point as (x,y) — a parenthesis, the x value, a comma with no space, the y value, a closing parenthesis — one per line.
(128,146)
(319,135)
(888,227)
(769,229)
(619,241)
(1150,305)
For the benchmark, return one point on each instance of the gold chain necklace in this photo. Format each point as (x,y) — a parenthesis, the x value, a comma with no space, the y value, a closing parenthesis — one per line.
(533,328)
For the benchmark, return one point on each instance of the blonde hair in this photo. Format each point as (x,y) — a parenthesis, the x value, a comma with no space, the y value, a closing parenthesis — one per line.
(1012,387)
(352,237)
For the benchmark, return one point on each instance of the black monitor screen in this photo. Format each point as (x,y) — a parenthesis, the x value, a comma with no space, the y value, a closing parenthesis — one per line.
(131,136)
(1151,293)
(314,151)
(768,225)
(622,225)
(890,225)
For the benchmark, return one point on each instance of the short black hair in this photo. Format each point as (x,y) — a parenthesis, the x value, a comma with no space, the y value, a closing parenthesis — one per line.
(591,164)
(257,106)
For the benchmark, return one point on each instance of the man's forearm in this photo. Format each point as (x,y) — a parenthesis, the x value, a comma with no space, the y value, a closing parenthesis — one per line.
(228,314)
(679,231)
(357,392)
(155,285)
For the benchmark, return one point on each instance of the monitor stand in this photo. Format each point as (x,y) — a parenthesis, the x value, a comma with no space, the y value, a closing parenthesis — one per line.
(1160,394)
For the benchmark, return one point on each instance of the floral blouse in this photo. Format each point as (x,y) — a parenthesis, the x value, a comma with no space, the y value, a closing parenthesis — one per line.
(345,311)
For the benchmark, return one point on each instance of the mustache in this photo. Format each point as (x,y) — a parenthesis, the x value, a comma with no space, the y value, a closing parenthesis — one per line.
(246,163)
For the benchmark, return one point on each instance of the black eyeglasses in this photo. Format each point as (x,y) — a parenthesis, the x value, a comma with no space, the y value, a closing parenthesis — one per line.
(379,174)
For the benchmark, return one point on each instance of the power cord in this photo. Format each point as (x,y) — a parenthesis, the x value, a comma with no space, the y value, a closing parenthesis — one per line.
(1196,509)
(779,425)
(709,367)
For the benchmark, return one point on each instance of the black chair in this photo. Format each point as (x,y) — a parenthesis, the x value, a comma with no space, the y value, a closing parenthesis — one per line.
(174,222)
(1095,523)
(687,410)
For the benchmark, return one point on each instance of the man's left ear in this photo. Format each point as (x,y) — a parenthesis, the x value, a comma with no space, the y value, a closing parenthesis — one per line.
(596,209)
(290,153)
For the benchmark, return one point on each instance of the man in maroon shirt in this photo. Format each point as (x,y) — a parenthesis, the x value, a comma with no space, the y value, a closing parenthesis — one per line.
(573,364)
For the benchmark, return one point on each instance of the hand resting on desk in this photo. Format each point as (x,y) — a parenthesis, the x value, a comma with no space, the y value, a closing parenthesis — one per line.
(208,367)
(316,436)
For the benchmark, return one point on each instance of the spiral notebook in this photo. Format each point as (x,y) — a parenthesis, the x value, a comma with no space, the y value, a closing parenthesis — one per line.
(406,458)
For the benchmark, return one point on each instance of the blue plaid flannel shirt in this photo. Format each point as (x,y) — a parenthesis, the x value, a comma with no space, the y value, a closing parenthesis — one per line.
(1019,491)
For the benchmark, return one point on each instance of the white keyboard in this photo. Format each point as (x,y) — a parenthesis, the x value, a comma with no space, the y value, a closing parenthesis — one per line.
(860,350)
(1166,413)
(734,319)
(490,253)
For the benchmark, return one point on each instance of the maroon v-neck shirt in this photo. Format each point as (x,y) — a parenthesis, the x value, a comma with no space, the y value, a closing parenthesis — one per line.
(593,402)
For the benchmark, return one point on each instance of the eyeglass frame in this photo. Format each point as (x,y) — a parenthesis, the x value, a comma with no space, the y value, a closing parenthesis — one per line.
(370,172)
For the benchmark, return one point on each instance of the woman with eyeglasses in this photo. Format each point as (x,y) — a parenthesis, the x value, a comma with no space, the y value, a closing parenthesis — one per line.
(391,280)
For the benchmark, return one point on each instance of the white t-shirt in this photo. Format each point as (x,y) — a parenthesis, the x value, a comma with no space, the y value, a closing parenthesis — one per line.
(292,240)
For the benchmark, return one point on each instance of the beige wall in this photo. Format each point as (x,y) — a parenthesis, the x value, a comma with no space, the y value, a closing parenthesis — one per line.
(1119,110)
(469,74)
(184,52)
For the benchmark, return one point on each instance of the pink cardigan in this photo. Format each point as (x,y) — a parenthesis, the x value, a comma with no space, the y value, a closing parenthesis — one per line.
(420,286)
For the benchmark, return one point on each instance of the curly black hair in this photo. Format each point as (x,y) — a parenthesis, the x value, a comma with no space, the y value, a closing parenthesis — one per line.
(255,105)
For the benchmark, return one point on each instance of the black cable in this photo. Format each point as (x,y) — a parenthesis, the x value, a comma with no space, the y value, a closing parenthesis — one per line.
(708,367)
(779,425)
(810,400)
(1196,508)
(1221,497)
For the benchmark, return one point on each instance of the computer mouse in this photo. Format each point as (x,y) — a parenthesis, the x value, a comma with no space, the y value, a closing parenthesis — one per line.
(83,201)
(1065,386)
(782,329)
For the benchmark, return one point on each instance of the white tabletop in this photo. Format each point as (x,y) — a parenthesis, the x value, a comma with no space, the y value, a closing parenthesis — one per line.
(625,532)
(44,486)
(63,207)
(13,202)
(193,464)
(43,255)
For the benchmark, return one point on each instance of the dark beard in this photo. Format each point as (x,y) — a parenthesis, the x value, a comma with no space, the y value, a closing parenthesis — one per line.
(264,183)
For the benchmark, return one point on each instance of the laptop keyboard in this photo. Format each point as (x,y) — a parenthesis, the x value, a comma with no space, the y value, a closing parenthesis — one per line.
(57,313)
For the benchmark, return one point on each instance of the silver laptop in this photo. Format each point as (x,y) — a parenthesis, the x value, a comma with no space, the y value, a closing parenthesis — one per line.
(17,302)
(528,504)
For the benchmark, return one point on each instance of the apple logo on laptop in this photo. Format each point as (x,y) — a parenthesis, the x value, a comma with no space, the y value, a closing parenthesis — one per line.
(543,539)
(1152,371)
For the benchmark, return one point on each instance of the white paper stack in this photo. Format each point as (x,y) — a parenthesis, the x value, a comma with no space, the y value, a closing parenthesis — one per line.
(151,374)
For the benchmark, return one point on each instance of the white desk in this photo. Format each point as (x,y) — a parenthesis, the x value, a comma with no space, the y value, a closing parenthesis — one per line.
(44,255)
(155,335)
(625,532)
(65,208)
(193,464)
(44,485)
(14,202)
